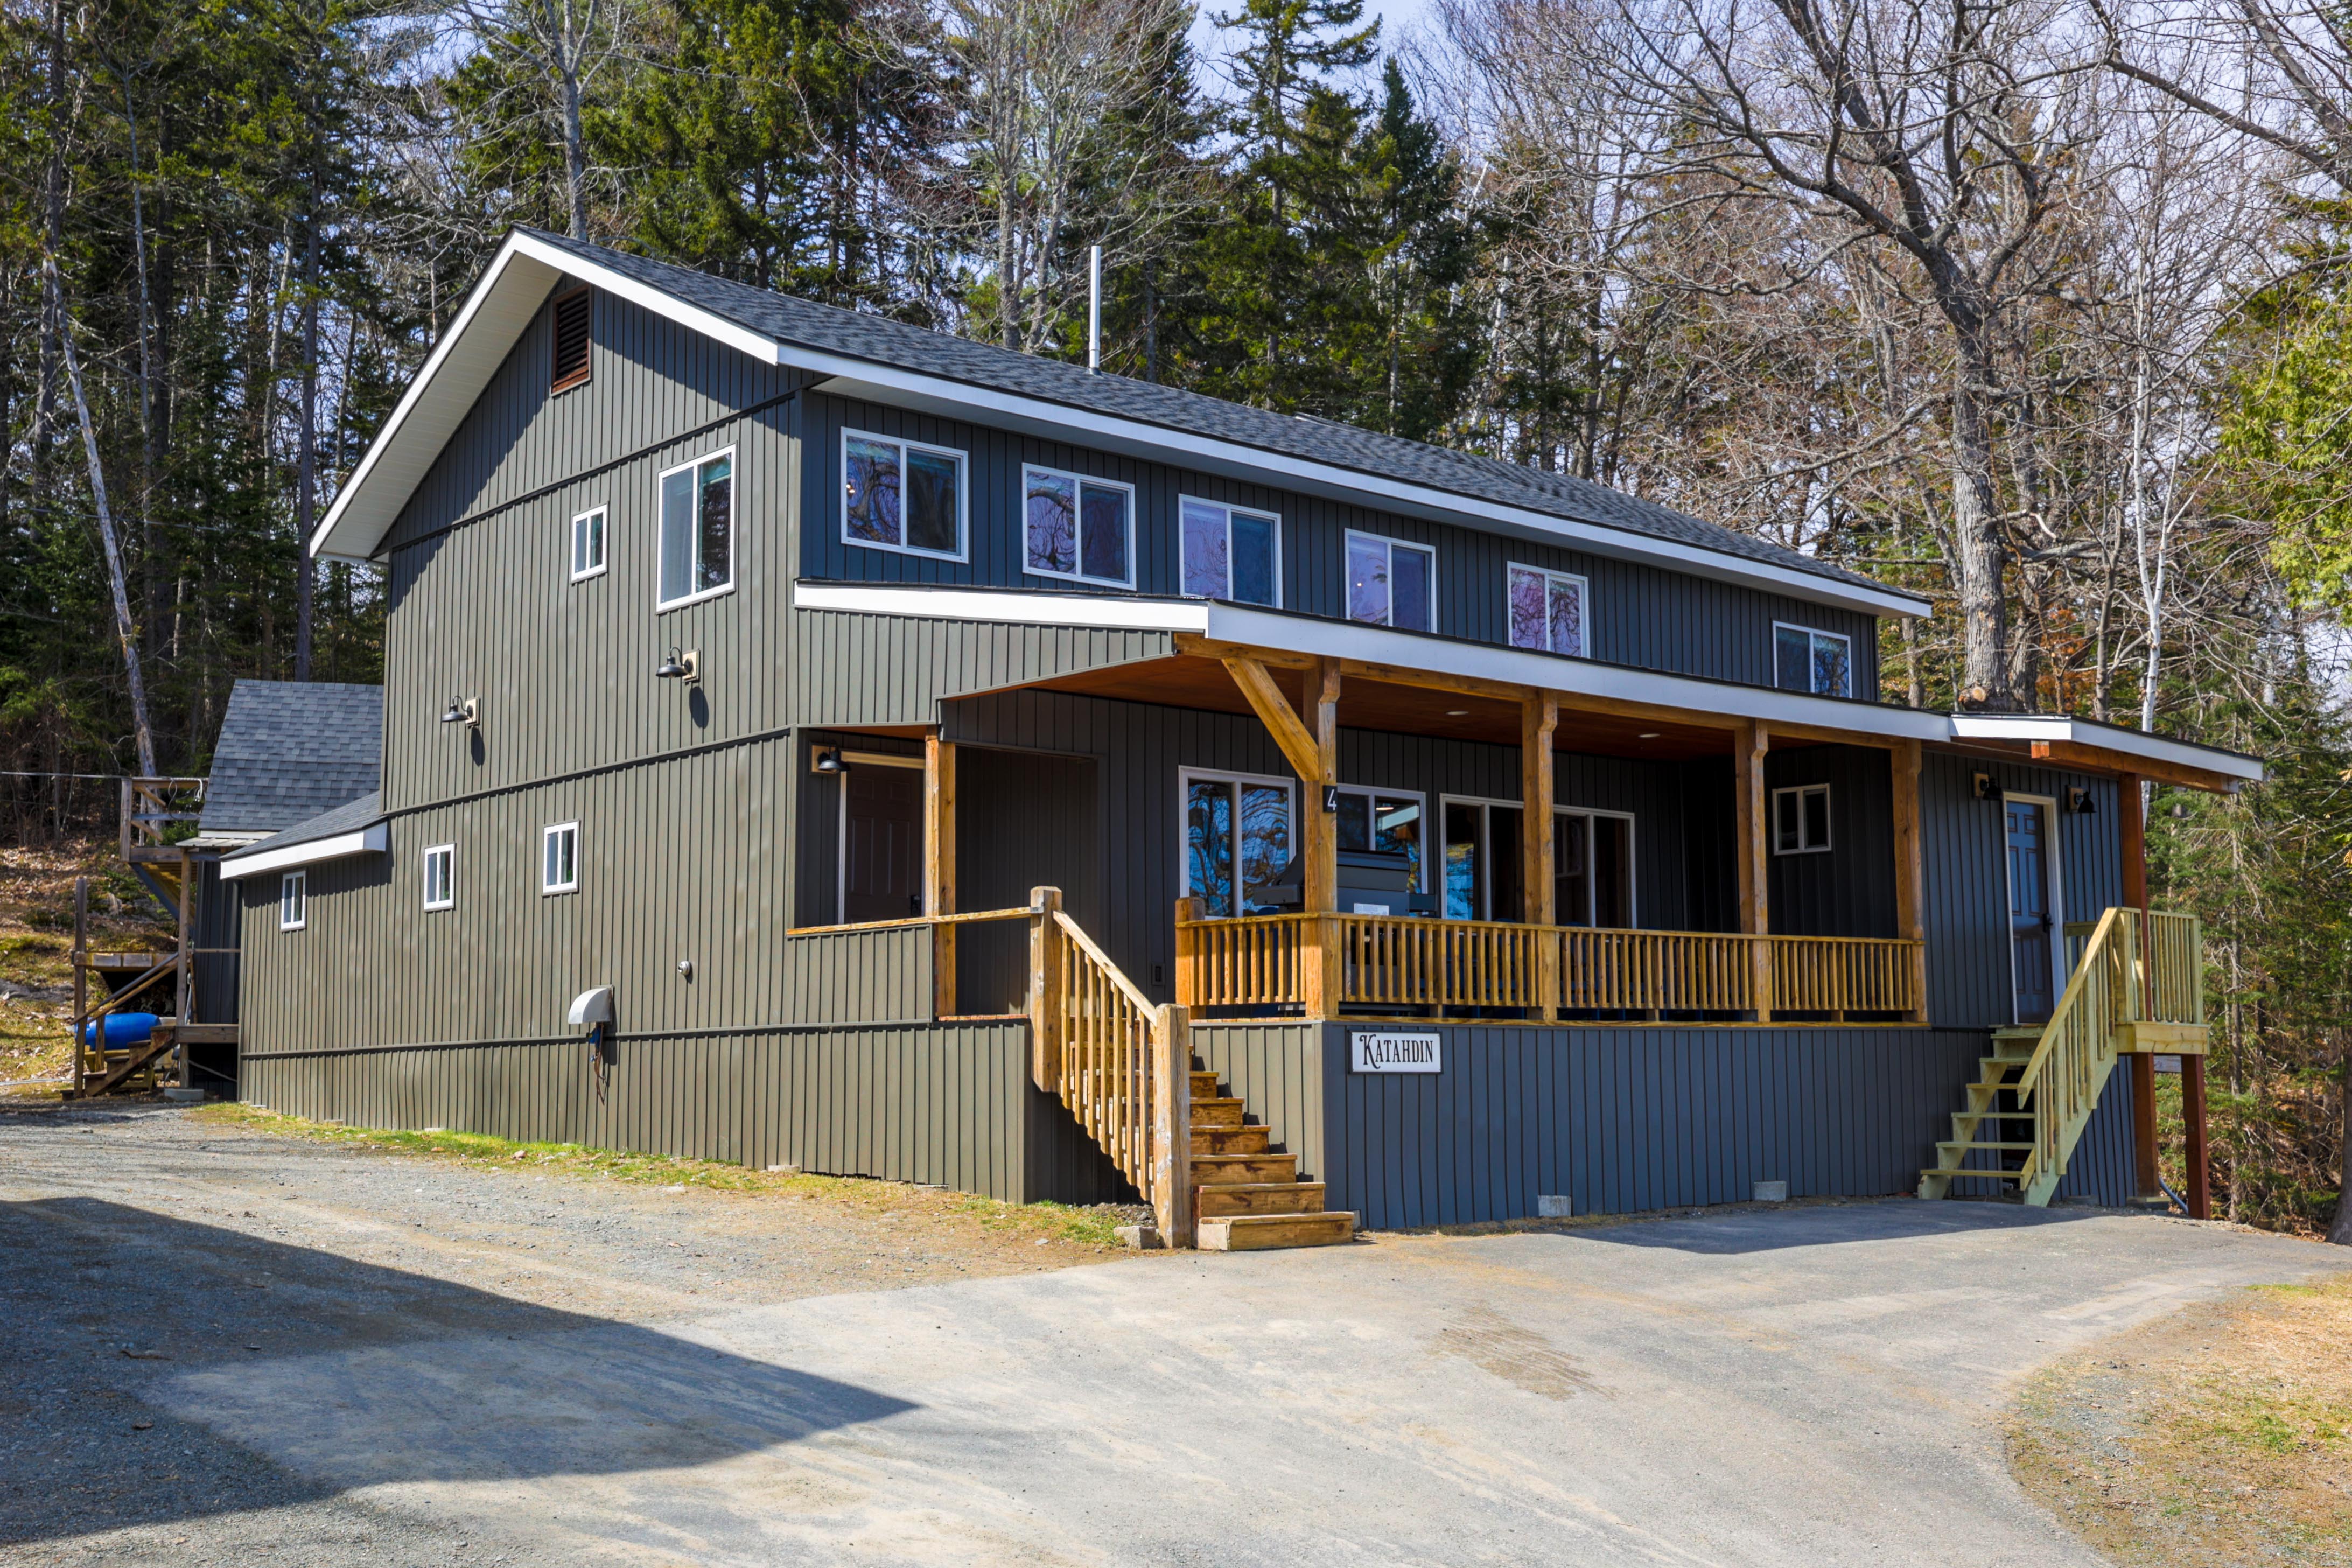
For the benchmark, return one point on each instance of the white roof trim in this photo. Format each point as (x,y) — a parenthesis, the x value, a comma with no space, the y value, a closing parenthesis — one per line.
(2027,728)
(1379,645)
(371,840)
(1292,633)
(518,277)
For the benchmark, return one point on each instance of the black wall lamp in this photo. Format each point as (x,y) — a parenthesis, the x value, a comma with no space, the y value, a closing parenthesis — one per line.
(2081,802)
(676,665)
(466,710)
(828,761)
(1986,789)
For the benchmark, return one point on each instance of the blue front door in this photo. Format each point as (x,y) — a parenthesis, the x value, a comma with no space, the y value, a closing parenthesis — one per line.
(2031,925)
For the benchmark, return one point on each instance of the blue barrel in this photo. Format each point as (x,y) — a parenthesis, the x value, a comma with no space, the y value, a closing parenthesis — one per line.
(123,1030)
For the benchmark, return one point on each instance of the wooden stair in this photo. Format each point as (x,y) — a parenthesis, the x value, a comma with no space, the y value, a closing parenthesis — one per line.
(1245,1196)
(1996,1082)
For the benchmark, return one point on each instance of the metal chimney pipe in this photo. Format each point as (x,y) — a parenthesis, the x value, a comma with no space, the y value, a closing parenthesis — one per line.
(1094,310)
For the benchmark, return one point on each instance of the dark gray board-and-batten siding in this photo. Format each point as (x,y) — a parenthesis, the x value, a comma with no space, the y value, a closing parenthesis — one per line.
(1637,615)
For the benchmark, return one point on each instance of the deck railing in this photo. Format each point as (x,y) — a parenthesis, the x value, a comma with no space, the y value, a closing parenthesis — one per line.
(1323,962)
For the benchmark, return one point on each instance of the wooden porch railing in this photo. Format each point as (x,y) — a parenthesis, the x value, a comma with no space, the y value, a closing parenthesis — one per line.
(2062,1080)
(1322,961)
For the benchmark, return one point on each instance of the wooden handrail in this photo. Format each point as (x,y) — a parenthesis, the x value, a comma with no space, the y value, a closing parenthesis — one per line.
(1404,961)
(2062,1079)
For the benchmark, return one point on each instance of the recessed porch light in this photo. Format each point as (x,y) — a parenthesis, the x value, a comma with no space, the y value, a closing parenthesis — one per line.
(1457,712)
(1647,735)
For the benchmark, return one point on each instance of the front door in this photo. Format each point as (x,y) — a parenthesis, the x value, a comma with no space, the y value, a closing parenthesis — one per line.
(881,843)
(2031,929)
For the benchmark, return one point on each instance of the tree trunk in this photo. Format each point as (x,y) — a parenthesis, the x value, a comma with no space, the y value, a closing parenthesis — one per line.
(306,448)
(2340,1233)
(1978,538)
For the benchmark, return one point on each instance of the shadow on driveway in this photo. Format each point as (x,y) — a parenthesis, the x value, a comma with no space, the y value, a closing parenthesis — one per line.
(345,1373)
(1826,1225)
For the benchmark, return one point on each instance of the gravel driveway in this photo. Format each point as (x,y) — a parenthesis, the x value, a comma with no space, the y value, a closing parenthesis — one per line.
(383,1359)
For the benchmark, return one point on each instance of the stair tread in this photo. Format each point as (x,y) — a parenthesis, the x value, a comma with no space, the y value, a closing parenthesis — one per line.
(1989,1175)
(1975,1143)
(1247,1233)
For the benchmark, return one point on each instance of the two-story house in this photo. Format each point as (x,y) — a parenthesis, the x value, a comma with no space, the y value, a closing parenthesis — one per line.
(810,739)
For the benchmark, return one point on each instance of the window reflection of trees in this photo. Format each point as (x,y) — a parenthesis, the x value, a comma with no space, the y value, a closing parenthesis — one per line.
(872,498)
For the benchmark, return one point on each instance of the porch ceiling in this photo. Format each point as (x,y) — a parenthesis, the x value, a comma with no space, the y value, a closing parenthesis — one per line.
(1365,703)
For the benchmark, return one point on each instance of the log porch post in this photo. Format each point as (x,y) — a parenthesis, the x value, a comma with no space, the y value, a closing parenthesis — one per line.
(1539,719)
(1172,1125)
(938,866)
(1310,744)
(1910,881)
(2132,826)
(1750,742)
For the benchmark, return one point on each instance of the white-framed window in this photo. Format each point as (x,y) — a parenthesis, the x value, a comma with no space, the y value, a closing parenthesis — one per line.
(697,529)
(1230,552)
(559,859)
(293,900)
(1392,583)
(1076,527)
(902,495)
(1238,833)
(1806,660)
(1592,863)
(1548,610)
(1391,821)
(1801,819)
(588,544)
(440,865)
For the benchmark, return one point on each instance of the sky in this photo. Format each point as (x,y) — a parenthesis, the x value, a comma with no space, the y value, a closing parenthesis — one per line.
(1397,16)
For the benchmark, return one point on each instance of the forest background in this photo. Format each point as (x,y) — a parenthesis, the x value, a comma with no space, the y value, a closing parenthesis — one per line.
(2042,309)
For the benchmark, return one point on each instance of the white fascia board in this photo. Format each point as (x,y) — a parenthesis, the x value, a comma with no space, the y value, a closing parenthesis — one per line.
(1037,417)
(1238,624)
(371,840)
(1009,606)
(2023,729)
(484,331)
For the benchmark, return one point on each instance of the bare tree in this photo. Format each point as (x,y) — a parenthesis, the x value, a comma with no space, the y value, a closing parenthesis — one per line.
(565,44)
(1943,130)
(1067,136)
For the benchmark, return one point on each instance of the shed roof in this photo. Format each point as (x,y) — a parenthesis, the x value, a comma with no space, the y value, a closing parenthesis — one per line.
(289,750)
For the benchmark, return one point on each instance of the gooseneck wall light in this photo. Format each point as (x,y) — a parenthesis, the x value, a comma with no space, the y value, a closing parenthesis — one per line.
(466,710)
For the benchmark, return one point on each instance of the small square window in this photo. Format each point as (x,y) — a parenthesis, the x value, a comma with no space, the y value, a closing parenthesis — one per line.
(588,545)
(1071,526)
(560,859)
(1230,554)
(1806,660)
(440,884)
(1547,610)
(901,495)
(1801,819)
(293,900)
(697,530)
(1392,583)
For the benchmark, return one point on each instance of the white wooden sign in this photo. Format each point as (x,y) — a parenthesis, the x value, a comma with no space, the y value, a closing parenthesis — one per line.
(1379,1052)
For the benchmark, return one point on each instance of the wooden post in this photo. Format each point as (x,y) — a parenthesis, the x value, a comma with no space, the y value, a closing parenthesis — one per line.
(1539,719)
(1172,1124)
(2132,828)
(1322,969)
(1751,742)
(1045,990)
(1910,880)
(938,866)
(1188,911)
(1321,892)
(82,972)
(2193,1117)
(183,983)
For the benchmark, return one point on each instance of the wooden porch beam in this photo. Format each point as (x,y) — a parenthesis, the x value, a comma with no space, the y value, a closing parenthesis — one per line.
(940,866)
(1910,869)
(2132,835)
(1274,711)
(1320,893)
(1754,851)
(1538,718)
(2073,754)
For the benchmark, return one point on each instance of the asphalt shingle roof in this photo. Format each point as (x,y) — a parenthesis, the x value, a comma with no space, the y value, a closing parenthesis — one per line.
(289,750)
(876,339)
(349,817)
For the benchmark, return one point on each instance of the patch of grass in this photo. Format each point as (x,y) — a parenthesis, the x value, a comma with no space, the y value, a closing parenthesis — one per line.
(2220,1436)
(1074,1224)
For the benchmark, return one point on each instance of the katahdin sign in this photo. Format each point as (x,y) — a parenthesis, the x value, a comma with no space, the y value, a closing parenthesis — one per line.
(1392,1053)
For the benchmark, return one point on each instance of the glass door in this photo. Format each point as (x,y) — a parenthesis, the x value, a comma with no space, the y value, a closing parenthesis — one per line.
(1237,840)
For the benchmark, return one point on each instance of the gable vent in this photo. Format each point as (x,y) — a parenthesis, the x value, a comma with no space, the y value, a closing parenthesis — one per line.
(572,338)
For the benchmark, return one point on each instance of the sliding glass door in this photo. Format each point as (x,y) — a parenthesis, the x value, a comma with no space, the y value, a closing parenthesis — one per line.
(1592,864)
(1237,840)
